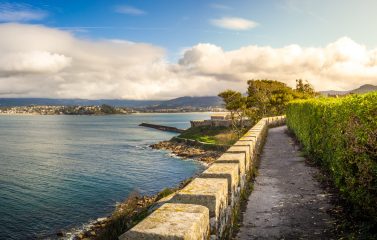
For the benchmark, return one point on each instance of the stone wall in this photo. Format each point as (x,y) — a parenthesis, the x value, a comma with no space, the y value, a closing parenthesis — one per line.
(207,207)
(211,122)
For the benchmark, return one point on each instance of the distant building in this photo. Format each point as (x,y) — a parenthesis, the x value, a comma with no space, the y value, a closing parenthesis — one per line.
(225,116)
(217,120)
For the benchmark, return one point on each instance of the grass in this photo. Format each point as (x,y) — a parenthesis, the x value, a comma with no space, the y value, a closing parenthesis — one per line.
(212,135)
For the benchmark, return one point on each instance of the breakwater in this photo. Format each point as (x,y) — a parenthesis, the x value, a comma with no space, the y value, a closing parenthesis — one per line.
(162,128)
(208,206)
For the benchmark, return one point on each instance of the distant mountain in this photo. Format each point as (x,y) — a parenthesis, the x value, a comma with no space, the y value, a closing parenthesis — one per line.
(196,102)
(365,88)
(362,89)
(10,102)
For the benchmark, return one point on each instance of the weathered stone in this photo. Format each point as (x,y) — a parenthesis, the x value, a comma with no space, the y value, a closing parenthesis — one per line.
(256,130)
(251,145)
(239,158)
(249,137)
(242,149)
(209,192)
(229,171)
(248,140)
(172,221)
(256,134)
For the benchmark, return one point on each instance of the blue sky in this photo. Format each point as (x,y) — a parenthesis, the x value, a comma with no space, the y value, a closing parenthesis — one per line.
(160,49)
(176,24)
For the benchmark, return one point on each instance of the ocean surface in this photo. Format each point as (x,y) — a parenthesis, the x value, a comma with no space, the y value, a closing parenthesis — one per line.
(60,172)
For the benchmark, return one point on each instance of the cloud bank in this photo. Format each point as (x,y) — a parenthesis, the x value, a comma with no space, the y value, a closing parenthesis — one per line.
(55,63)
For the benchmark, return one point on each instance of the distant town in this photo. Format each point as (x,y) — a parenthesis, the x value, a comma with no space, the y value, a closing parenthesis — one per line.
(96,110)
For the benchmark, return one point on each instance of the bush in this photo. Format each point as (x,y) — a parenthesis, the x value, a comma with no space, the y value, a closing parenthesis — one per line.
(341,135)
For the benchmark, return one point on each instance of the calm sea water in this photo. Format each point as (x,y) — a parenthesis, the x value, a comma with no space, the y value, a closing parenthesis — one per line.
(58,172)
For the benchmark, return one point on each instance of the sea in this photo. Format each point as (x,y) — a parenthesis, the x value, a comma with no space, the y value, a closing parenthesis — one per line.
(61,172)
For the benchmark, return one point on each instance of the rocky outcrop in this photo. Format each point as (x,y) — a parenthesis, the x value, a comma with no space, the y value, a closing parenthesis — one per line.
(185,150)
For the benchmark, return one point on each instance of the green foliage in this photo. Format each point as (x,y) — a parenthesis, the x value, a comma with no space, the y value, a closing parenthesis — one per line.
(304,90)
(268,97)
(265,98)
(212,135)
(341,135)
(235,103)
(126,215)
(164,193)
(107,109)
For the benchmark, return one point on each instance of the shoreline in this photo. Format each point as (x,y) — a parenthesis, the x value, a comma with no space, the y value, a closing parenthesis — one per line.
(130,113)
(141,204)
(187,151)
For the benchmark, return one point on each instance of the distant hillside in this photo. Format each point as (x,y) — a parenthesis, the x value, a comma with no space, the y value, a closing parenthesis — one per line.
(362,89)
(12,102)
(196,102)
(365,88)
(209,101)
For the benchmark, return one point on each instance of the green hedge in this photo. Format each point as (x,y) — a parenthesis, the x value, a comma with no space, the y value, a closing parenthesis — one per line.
(341,134)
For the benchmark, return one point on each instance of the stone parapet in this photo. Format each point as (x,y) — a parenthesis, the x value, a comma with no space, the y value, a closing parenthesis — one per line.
(229,171)
(207,207)
(245,149)
(172,221)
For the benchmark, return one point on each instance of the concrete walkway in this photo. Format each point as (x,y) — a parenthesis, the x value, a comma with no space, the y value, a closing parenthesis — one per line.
(287,202)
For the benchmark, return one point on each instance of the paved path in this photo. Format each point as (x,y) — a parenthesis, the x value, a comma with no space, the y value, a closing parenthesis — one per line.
(287,202)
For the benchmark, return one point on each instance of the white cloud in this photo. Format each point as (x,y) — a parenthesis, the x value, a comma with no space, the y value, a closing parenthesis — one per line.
(234,23)
(14,12)
(124,9)
(33,62)
(341,65)
(55,63)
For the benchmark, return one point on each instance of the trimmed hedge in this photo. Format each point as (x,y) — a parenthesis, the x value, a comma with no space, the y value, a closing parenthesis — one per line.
(341,135)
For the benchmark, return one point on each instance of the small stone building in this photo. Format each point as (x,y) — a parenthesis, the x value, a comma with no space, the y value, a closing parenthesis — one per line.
(216,120)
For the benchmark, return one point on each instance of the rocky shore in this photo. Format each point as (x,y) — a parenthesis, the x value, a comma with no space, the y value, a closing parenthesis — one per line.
(187,151)
(125,215)
(135,207)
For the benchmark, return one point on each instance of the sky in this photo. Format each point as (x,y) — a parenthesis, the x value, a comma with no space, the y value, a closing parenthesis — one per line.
(161,49)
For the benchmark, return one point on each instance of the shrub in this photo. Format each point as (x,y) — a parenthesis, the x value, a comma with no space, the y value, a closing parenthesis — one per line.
(341,135)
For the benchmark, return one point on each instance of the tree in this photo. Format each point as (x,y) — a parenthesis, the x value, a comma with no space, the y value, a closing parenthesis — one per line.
(265,98)
(107,109)
(305,89)
(235,103)
(268,97)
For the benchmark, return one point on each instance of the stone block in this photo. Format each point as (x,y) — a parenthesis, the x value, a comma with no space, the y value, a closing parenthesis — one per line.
(172,221)
(242,149)
(251,144)
(248,137)
(239,158)
(209,192)
(229,171)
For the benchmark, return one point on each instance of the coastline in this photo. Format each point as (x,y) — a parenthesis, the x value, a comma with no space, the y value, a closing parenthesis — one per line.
(184,150)
(136,207)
